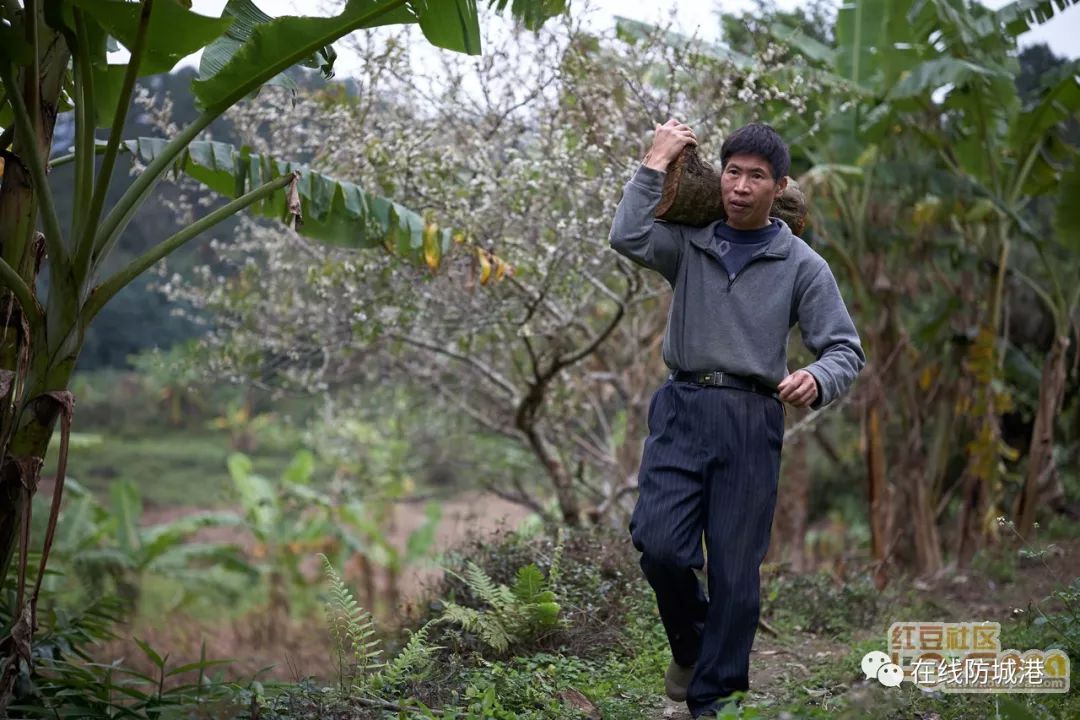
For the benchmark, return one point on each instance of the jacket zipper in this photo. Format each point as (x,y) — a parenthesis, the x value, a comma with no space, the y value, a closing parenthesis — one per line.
(753,259)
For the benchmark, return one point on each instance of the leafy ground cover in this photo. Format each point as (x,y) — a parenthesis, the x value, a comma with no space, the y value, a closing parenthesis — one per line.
(606,657)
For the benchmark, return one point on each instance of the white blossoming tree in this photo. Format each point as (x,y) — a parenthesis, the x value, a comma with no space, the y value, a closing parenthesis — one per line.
(562,354)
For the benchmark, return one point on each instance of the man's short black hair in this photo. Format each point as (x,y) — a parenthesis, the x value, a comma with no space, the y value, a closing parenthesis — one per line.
(761,140)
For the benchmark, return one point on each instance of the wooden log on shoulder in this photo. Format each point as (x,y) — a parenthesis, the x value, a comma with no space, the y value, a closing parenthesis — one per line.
(691,195)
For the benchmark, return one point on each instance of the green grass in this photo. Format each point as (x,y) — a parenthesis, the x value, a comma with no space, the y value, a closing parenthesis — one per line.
(169,467)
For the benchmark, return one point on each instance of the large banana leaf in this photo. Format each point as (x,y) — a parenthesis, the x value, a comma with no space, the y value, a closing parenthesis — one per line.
(875,51)
(336,212)
(280,43)
(982,110)
(159,540)
(127,510)
(1067,218)
(1022,15)
(450,24)
(174,32)
(875,45)
(925,78)
(1058,103)
(246,18)
(859,36)
(968,52)
(1035,138)
(810,47)
(245,44)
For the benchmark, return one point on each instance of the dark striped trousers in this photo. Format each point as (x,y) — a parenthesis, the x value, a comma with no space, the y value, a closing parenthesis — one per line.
(711,465)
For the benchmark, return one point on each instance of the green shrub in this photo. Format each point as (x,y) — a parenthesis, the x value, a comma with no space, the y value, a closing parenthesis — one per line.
(513,615)
(598,576)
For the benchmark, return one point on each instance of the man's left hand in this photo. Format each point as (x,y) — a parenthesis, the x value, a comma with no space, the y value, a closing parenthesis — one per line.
(798,389)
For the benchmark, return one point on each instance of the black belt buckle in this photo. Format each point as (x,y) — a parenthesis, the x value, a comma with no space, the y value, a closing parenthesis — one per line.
(711,378)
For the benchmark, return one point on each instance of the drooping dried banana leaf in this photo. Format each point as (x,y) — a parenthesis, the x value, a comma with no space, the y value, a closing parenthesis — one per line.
(691,195)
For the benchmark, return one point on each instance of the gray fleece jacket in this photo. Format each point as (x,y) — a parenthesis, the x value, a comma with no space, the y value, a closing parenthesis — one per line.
(740,325)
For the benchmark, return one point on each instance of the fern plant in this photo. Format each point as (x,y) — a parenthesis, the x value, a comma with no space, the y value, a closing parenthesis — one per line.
(359,649)
(514,614)
(413,660)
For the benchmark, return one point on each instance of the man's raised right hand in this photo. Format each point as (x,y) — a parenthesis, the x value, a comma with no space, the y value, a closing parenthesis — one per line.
(668,141)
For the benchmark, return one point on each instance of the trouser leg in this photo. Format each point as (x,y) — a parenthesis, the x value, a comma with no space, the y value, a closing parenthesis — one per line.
(666,525)
(739,497)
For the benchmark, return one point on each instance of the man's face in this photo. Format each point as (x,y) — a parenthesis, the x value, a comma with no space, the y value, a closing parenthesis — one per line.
(748,189)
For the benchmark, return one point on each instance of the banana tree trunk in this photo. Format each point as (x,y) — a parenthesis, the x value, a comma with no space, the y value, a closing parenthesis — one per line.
(788,543)
(1040,453)
(928,556)
(26,369)
(875,473)
(916,467)
(24,455)
(972,515)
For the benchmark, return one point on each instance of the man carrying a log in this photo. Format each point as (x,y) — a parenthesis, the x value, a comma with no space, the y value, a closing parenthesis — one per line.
(712,459)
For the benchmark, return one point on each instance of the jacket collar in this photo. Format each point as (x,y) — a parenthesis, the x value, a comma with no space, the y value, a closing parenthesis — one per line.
(778,247)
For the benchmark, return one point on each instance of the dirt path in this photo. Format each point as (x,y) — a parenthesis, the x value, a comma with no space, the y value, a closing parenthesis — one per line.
(774,665)
(779,667)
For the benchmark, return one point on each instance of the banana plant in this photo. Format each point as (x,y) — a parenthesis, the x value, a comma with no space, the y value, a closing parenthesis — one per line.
(943,71)
(290,520)
(100,544)
(1004,156)
(54,57)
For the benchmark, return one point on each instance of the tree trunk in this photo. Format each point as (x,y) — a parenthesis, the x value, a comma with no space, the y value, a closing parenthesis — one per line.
(917,468)
(25,451)
(971,516)
(876,479)
(526,420)
(1040,453)
(928,557)
(788,543)
(26,369)
(569,506)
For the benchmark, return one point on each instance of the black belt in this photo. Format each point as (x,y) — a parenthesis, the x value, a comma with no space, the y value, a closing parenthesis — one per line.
(723,379)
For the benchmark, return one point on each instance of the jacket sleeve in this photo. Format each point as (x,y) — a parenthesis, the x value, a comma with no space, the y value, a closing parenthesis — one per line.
(637,235)
(829,333)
